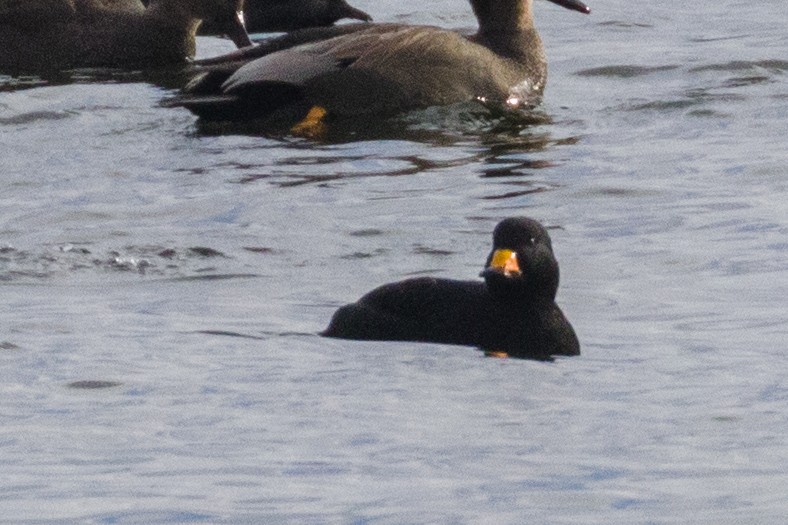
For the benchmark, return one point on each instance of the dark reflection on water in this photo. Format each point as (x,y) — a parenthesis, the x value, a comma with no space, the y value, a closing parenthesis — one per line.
(229,334)
(774,66)
(439,126)
(624,71)
(214,276)
(746,81)
(168,78)
(507,150)
(93,384)
(624,24)
(33,117)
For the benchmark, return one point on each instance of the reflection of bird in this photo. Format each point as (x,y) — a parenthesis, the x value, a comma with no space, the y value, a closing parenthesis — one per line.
(513,311)
(378,69)
(57,34)
(286,15)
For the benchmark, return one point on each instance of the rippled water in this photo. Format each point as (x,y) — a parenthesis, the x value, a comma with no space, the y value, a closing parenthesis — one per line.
(161,289)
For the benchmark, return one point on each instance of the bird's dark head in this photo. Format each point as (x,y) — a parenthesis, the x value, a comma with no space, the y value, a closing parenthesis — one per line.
(521,265)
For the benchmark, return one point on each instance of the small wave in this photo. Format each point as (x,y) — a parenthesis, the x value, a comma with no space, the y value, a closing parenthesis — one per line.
(623,71)
(148,260)
(735,66)
(93,384)
(34,116)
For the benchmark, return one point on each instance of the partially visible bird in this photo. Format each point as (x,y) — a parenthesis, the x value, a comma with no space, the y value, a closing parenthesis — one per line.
(263,16)
(59,34)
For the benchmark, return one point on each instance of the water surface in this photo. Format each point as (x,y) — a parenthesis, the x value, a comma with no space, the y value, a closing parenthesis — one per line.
(161,290)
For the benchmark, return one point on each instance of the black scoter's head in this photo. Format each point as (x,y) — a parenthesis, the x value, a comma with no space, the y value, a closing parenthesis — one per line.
(521,265)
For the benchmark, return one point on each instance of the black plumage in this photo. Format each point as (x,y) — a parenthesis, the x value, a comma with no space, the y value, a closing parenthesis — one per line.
(512,311)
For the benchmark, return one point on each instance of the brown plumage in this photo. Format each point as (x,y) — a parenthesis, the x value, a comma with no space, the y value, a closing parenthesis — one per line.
(379,69)
(288,15)
(57,34)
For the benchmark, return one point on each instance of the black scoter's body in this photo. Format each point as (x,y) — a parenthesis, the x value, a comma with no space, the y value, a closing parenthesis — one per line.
(512,311)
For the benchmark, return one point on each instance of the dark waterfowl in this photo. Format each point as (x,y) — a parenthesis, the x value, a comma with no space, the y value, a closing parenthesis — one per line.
(58,34)
(287,15)
(379,69)
(267,16)
(512,312)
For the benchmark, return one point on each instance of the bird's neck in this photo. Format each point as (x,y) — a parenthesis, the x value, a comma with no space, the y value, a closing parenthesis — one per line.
(522,46)
(509,16)
(507,28)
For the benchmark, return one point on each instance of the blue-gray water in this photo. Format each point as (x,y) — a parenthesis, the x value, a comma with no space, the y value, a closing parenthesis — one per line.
(187,275)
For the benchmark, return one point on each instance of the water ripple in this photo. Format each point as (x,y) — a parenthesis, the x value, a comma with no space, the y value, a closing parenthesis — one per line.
(624,71)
